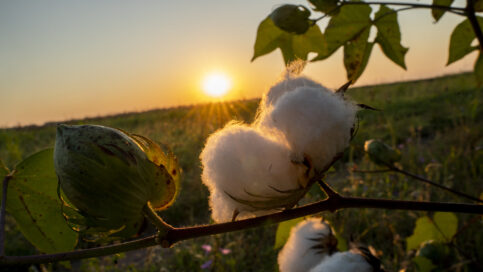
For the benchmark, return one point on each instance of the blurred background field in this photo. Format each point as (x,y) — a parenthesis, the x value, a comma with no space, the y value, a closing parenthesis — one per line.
(436,123)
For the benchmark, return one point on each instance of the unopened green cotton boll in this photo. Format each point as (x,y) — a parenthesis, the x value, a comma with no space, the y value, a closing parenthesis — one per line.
(109,175)
(310,241)
(292,18)
(380,153)
(346,261)
(245,170)
(315,122)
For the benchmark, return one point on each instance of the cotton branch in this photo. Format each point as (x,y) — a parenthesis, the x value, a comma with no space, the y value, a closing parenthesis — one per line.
(334,202)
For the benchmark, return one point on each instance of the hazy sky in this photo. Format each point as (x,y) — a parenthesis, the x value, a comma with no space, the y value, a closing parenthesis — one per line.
(70,59)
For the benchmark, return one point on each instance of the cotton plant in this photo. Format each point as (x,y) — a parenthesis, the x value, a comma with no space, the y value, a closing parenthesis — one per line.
(256,169)
(309,242)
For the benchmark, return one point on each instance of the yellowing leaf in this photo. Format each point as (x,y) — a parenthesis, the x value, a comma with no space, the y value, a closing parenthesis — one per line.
(283,231)
(351,21)
(438,13)
(293,46)
(32,200)
(442,228)
(389,35)
(356,55)
(461,39)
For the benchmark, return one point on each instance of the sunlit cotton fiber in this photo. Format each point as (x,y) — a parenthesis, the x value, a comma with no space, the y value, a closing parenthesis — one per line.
(300,253)
(289,83)
(314,121)
(346,261)
(240,161)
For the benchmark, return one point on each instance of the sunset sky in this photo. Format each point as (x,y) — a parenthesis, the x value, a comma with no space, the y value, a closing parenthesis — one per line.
(71,59)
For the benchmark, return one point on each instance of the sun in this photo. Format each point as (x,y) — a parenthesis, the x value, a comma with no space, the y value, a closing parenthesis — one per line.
(216,84)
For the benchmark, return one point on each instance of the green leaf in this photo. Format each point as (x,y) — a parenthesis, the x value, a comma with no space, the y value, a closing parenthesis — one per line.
(438,13)
(461,39)
(32,200)
(442,228)
(356,55)
(423,264)
(351,21)
(325,6)
(478,70)
(389,36)
(447,224)
(283,231)
(293,46)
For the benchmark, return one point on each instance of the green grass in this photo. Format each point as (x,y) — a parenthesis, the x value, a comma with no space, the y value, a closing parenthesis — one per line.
(437,124)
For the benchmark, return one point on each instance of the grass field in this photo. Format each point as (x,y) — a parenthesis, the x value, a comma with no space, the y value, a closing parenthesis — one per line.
(436,123)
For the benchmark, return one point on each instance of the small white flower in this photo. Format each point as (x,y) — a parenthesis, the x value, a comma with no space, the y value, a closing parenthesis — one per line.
(310,241)
(245,171)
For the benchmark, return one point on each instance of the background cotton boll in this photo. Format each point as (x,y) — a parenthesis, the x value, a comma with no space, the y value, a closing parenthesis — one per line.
(239,160)
(314,121)
(309,242)
(343,262)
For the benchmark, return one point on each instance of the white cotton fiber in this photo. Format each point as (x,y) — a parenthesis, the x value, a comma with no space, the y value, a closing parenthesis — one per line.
(298,254)
(346,261)
(288,84)
(314,121)
(240,161)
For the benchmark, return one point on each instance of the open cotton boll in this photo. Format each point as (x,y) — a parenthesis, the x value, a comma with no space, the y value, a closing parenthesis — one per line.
(310,241)
(241,162)
(288,84)
(346,261)
(315,122)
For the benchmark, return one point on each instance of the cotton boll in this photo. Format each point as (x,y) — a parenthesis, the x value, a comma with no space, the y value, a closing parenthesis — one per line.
(346,261)
(309,242)
(288,84)
(240,162)
(315,122)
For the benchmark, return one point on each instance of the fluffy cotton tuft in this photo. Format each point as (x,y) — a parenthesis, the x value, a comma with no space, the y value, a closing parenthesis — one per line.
(298,253)
(346,261)
(314,121)
(240,161)
(288,84)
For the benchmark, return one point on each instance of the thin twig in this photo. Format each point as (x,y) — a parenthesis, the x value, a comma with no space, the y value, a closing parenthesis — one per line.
(179,234)
(470,13)
(423,179)
(370,171)
(413,5)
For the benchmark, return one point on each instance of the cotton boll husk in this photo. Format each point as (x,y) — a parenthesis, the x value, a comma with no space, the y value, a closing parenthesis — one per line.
(346,261)
(297,255)
(314,121)
(239,159)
